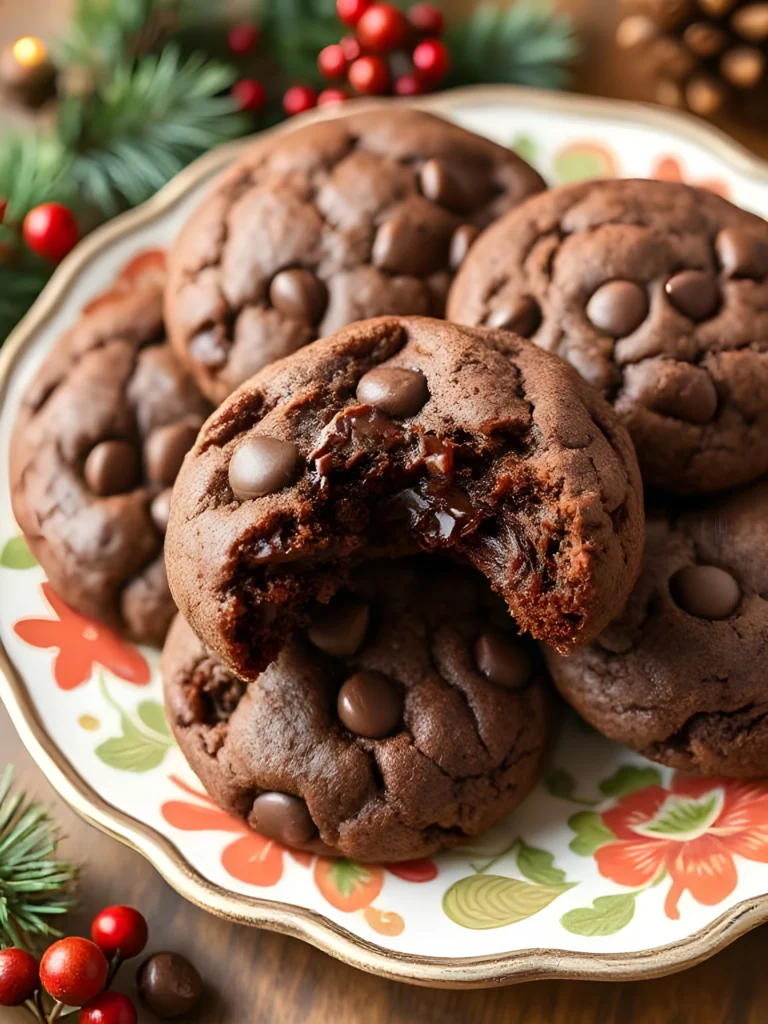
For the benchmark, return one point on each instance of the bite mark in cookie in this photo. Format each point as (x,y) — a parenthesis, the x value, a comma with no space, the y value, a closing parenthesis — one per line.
(394,436)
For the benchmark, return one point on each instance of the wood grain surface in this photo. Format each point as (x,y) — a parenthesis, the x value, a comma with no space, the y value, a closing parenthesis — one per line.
(254,976)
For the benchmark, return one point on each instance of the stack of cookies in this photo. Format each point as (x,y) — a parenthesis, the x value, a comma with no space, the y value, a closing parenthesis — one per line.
(394,526)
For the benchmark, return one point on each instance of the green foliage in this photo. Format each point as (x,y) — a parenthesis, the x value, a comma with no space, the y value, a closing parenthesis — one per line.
(138,131)
(527,44)
(294,32)
(20,284)
(606,916)
(33,887)
(33,169)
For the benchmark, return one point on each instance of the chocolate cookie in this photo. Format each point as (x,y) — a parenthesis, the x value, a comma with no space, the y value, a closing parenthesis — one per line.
(395,435)
(409,717)
(97,444)
(681,677)
(658,294)
(335,222)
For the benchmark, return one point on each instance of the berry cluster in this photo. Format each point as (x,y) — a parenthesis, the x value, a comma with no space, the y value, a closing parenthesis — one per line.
(77,972)
(389,52)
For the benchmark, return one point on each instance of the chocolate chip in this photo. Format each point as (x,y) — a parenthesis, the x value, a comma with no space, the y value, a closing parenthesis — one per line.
(448,187)
(261,465)
(282,817)
(521,315)
(394,390)
(462,241)
(694,293)
(112,467)
(169,985)
(209,348)
(371,705)
(705,591)
(165,449)
(689,395)
(299,294)
(618,307)
(405,246)
(160,509)
(741,254)
(503,660)
(340,627)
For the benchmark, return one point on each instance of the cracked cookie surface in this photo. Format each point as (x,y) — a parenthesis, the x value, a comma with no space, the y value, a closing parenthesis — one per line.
(339,221)
(393,436)
(97,443)
(681,676)
(657,293)
(408,718)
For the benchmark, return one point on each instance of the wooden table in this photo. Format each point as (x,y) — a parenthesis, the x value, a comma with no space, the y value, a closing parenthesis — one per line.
(254,976)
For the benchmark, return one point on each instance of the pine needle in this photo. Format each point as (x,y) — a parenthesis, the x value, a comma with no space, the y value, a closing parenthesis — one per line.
(527,44)
(33,887)
(145,125)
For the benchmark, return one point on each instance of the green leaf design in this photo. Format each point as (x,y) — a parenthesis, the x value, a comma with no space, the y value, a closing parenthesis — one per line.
(560,783)
(134,751)
(629,779)
(493,901)
(538,866)
(606,916)
(591,833)
(16,554)
(348,875)
(684,817)
(527,147)
(152,715)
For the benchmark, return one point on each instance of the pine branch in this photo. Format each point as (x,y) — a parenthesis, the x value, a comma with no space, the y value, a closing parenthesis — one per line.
(527,44)
(294,32)
(102,33)
(33,169)
(138,131)
(33,886)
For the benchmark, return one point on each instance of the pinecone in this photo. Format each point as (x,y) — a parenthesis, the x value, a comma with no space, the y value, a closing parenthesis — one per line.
(703,55)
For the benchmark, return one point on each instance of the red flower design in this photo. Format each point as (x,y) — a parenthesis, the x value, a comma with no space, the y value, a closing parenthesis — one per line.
(81,643)
(346,885)
(670,168)
(691,830)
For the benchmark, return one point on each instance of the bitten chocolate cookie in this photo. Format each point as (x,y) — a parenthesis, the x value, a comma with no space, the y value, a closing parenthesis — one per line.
(96,447)
(658,294)
(395,435)
(335,222)
(681,677)
(409,717)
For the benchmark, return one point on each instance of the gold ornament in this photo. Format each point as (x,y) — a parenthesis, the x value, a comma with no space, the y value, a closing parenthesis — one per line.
(26,73)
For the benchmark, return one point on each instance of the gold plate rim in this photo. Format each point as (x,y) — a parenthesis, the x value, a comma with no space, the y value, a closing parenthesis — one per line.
(310,926)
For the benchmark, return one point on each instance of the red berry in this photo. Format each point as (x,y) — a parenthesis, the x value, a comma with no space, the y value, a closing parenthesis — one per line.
(249,94)
(50,230)
(350,48)
(409,85)
(351,11)
(243,38)
(382,27)
(299,98)
(73,970)
(332,62)
(4,204)
(120,930)
(109,1008)
(330,96)
(369,75)
(426,18)
(432,59)
(18,976)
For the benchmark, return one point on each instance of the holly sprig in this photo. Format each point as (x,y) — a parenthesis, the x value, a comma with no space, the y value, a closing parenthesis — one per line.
(34,887)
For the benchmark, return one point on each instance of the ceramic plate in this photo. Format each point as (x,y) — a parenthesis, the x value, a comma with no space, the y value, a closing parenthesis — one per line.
(613,868)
